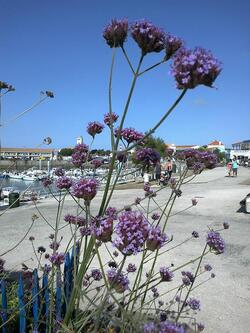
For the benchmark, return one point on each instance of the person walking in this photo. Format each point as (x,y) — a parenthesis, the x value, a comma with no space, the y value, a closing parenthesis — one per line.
(169,168)
(235,168)
(229,168)
(158,172)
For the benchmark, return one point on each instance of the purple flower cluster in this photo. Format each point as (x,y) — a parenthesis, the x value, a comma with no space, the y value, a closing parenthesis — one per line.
(155,216)
(148,37)
(102,228)
(163,327)
(70,218)
(85,189)
(122,157)
(147,156)
(166,274)
(215,242)
(110,118)
(57,258)
(187,278)
(47,181)
(156,239)
(96,163)
(59,172)
(111,212)
(137,200)
(117,280)
(129,134)
(94,128)
(193,303)
(173,44)
(116,32)
(54,245)
(96,274)
(85,231)
(131,268)
(132,231)
(194,67)
(208,267)
(79,155)
(198,160)
(64,183)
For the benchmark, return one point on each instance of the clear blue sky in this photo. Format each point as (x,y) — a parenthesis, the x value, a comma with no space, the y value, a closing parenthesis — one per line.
(57,45)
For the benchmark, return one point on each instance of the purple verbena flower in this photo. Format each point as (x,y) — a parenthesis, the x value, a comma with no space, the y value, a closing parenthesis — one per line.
(129,134)
(47,181)
(111,212)
(169,327)
(132,231)
(122,157)
(193,303)
(96,274)
(110,118)
(215,242)
(85,189)
(115,33)
(85,231)
(54,245)
(155,292)
(64,183)
(117,280)
(208,267)
(156,239)
(147,156)
(59,172)
(137,200)
(57,258)
(150,327)
(79,156)
(94,128)
(131,268)
(148,37)
(173,44)
(189,275)
(102,228)
(97,162)
(195,67)
(155,216)
(166,274)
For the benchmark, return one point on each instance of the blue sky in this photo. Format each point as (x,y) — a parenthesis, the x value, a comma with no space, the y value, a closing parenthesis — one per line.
(57,45)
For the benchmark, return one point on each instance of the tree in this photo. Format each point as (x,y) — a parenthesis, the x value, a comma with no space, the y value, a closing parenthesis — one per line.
(221,155)
(156,143)
(66,152)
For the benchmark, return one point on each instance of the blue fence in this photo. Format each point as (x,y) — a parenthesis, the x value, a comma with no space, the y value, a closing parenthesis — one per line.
(35,310)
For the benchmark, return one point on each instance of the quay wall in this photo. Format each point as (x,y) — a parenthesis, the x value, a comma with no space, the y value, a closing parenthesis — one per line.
(21,165)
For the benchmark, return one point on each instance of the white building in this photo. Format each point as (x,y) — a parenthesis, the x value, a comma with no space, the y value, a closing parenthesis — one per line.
(79,140)
(216,145)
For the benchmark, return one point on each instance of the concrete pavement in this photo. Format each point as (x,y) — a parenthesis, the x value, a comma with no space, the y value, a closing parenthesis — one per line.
(225,299)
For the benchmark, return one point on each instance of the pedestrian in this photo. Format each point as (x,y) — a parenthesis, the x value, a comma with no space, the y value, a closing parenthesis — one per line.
(235,168)
(158,172)
(169,168)
(229,168)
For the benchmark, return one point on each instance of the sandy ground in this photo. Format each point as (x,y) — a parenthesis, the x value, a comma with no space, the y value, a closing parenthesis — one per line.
(225,300)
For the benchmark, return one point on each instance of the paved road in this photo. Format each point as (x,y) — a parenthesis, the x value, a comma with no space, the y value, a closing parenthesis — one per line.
(225,299)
